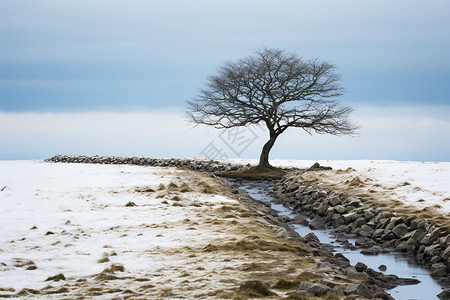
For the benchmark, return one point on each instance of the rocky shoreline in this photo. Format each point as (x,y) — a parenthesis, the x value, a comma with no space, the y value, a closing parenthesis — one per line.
(375,230)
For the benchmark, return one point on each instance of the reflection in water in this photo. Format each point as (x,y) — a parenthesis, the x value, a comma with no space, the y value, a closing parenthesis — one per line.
(396,263)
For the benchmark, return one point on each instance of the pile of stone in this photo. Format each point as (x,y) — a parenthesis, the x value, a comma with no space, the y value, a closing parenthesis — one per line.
(374,229)
(204,165)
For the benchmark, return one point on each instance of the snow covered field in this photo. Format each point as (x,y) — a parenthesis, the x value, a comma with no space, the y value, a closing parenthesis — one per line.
(120,230)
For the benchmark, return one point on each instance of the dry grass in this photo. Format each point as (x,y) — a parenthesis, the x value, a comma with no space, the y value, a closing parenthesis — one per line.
(256,173)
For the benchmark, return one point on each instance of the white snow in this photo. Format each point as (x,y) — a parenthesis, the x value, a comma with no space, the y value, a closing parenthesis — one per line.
(65,217)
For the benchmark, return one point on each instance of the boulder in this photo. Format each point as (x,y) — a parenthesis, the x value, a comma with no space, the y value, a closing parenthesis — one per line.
(316,289)
(439,269)
(400,230)
(334,200)
(360,289)
(360,267)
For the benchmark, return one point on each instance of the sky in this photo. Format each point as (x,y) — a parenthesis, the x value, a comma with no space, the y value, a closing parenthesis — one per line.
(112,77)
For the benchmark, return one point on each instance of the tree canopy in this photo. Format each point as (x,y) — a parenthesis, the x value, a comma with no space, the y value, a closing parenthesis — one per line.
(277,89)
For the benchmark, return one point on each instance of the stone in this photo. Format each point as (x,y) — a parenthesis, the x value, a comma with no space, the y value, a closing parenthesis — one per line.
(382,268)
(369,214)
(300,220)
(343,228)
(352,273)
(360,267)
(339,209)
(367,229)
(354,202)
(316,289)
(360,289)
(445,295)
(334,200)
(446,254)
(414,224)
(419,234)
(402,247)
(364,243)
(255,287)
(432,250)
(282,233)
(359,222)
(400,230)
(371,251)
(432,236)
(311,237)
(56,277)
(316,226)
(349,217)
(439,269)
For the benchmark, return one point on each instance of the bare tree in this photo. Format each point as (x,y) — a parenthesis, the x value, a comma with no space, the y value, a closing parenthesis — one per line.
(277,89)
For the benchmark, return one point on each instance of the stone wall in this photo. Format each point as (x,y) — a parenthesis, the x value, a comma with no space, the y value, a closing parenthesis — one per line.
(191,164)
(375,230)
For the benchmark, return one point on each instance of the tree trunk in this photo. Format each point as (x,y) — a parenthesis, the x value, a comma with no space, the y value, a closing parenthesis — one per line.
(264,158)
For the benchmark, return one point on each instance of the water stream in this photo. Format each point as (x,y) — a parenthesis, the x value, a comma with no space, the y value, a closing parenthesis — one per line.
(397,263)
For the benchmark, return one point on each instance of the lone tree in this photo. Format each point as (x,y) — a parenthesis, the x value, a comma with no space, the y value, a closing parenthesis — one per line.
(275,88)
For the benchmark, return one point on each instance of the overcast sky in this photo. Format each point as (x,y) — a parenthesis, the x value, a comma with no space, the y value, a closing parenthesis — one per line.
(113,62)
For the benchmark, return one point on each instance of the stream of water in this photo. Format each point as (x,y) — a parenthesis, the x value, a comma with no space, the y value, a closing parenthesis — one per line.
(396,263)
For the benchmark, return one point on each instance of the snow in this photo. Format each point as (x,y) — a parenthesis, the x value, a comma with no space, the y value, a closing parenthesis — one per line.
(66,217)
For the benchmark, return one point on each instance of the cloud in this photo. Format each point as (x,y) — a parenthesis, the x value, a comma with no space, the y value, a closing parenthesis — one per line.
(399,133)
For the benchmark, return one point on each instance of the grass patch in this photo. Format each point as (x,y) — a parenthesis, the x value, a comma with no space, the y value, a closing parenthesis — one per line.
(256,173)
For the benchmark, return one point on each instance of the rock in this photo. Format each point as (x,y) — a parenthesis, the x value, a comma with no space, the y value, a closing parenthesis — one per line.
(342,229)
(369,214)
(325,266)
(311,237)
(359,223)
(352,273)
(382,268)
(317,167)
(282,233)
(340,209)
(419,234)
(364,243)
(360,267)
(446,254)
(431,237)
(400,230)
(334,200)
(349,217)
(316,289)
(388,237)
(445,295)
(255,289)
(58,277)
(360,289)
(285,219)
(371,251)
(300,220)
(367,229)
(402,247)
(432,250)
(439,269)
(316,226)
